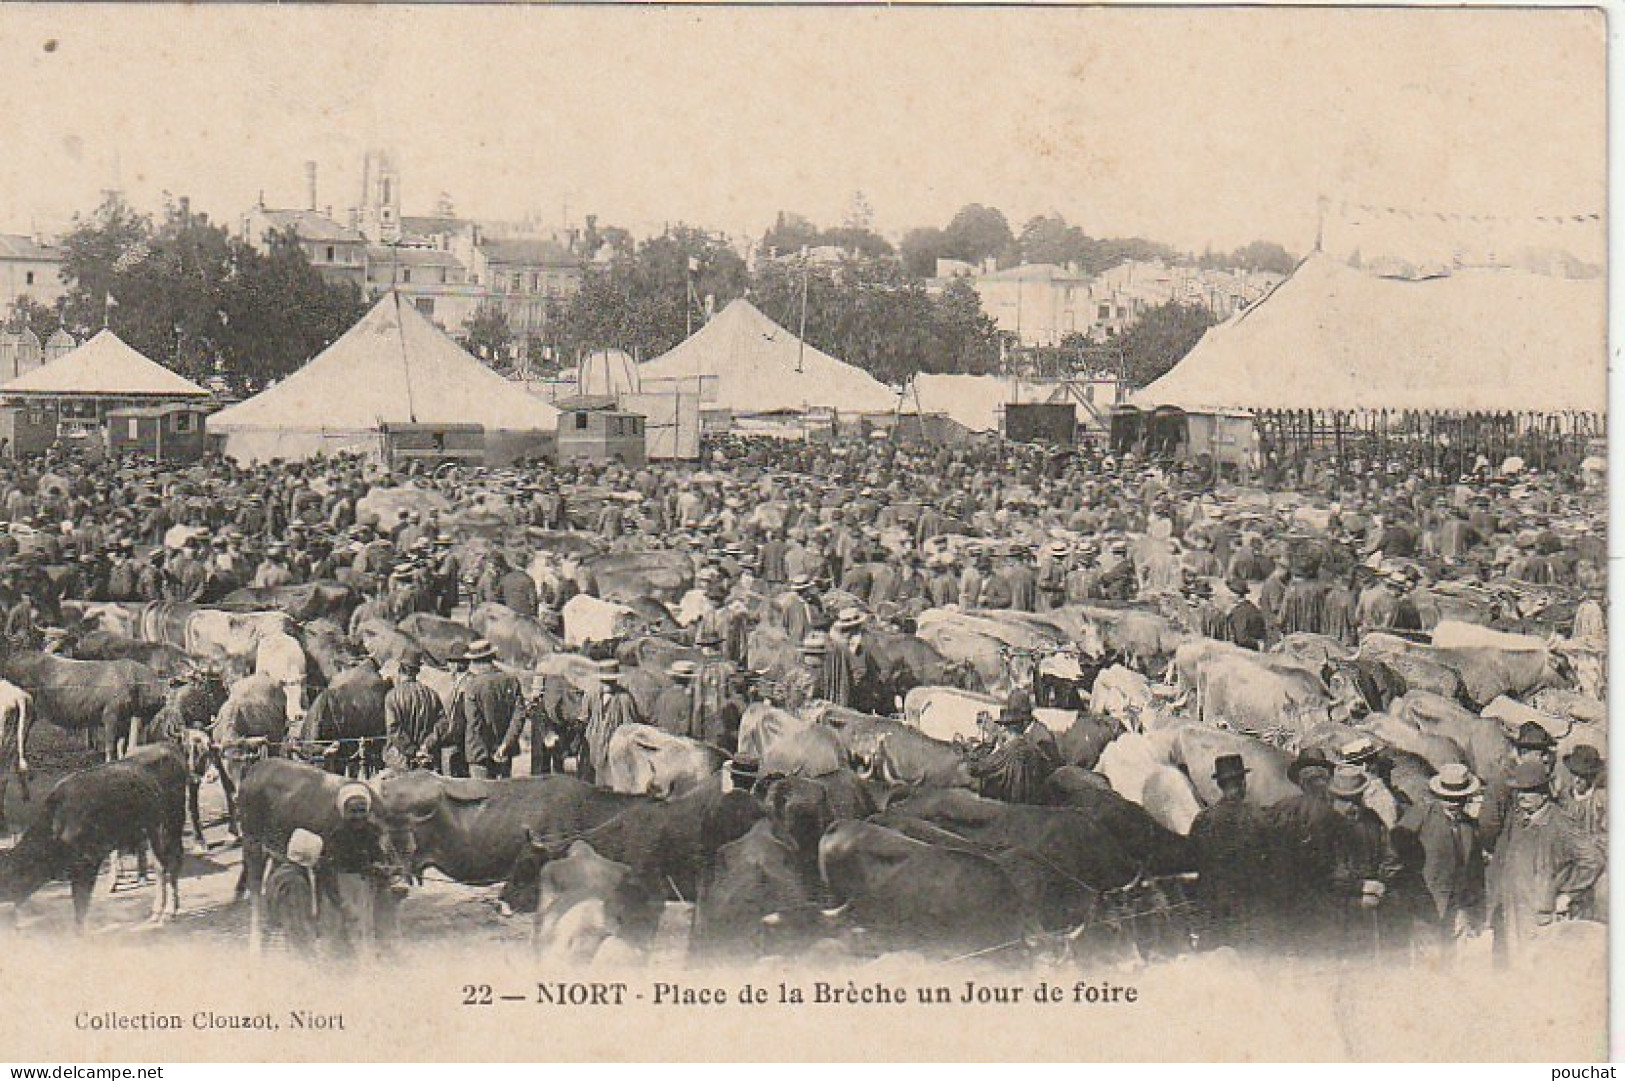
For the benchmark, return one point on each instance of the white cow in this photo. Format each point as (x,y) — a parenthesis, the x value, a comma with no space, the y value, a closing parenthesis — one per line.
(589,619)
(280,657)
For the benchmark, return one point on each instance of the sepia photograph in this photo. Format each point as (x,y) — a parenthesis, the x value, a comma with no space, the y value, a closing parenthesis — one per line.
(782,533)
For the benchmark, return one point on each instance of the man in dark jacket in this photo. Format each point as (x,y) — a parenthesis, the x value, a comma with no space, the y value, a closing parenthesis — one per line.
(412,714)
(1436,841)
(492,715)
(1245,620)
(1230,841)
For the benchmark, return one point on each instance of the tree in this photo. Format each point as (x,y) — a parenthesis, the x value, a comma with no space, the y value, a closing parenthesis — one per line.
(860,216)
(1161,338)
(486,333)
(921,248)
(1049,239)
(968,336)
(192,297)
(27,312)
(978,232)
(790,233)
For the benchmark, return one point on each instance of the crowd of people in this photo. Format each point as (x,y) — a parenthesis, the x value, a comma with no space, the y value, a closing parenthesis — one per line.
(829,543)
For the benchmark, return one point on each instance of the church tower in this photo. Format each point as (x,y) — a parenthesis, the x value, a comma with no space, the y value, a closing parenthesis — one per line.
(380,198)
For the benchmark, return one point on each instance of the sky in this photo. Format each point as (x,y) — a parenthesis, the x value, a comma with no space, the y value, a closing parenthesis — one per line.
(1198,128)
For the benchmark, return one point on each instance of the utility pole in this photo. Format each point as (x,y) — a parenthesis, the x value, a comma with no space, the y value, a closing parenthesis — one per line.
(801,331)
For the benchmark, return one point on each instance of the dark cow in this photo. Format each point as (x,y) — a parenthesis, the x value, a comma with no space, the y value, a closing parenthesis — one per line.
(345,725)
(670,842)
(1060,857)
(441,639)
(588,902)
(760,876)
(322,599)
(130,804)
(906,662)
(277,797)
(326,645)
(518,639)
(97,645)
(909,894)
(474,831)
(628,576)
(112,699)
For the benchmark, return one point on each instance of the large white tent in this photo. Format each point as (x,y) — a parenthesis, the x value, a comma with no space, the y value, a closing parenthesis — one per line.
(104,367)
(393,367)
(1339,337)
(745,362)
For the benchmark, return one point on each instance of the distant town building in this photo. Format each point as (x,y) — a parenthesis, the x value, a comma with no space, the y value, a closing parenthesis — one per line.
(30,266)
(1040,304)
(446,266)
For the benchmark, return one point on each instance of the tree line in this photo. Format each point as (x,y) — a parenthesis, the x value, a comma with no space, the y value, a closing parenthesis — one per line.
(185,292)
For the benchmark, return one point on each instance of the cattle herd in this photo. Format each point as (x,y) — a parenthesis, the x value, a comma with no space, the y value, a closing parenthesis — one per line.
(819,699)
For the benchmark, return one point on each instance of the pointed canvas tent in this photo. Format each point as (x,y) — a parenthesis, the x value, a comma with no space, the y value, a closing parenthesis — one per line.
(393,367)
(104,367)
(1339,337)
(747,363)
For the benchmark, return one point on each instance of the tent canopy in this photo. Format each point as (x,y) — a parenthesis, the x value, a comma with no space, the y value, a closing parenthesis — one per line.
(756,366)
(393,367)
(103,366)
(1337,337)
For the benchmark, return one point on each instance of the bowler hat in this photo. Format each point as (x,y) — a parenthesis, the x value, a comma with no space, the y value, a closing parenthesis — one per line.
(1529,776)
(1312,758)
(1532,737)
(1229,767)
(1584,761)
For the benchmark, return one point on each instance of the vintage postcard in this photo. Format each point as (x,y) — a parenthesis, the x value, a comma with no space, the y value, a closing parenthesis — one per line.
(803,532)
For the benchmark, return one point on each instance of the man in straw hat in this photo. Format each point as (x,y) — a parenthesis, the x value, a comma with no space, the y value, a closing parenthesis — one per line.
(1437,840)
(1364,866)
(1543,859)
(1230,841)
(602,712)
(675,706)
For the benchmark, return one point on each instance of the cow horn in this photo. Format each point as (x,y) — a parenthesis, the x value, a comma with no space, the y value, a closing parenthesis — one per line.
(833,914)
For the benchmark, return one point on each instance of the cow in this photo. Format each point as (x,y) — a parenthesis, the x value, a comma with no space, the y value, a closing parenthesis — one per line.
(1081,742)
(134,803)
(383,641)
(909,894)
(1122,693)
(589,619)
(345,724)
(1312,650)
(1197,748)
(1415,665)
(519,640)
(1438,751)
(628,576)
(769,650)
(772,869)
(281,658)
(474,831)
(1139,769)
(754,879)
(1145,639)
(15,707)
(326,646)
(894,752)
(587,904)
(642,760)
(1236,691)
(440,639)
(1482,742)
(1060,857)
(112,699)
(321,599)
(278,796)
(667,841)
(947,713)
(1003,653)
(100,645)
